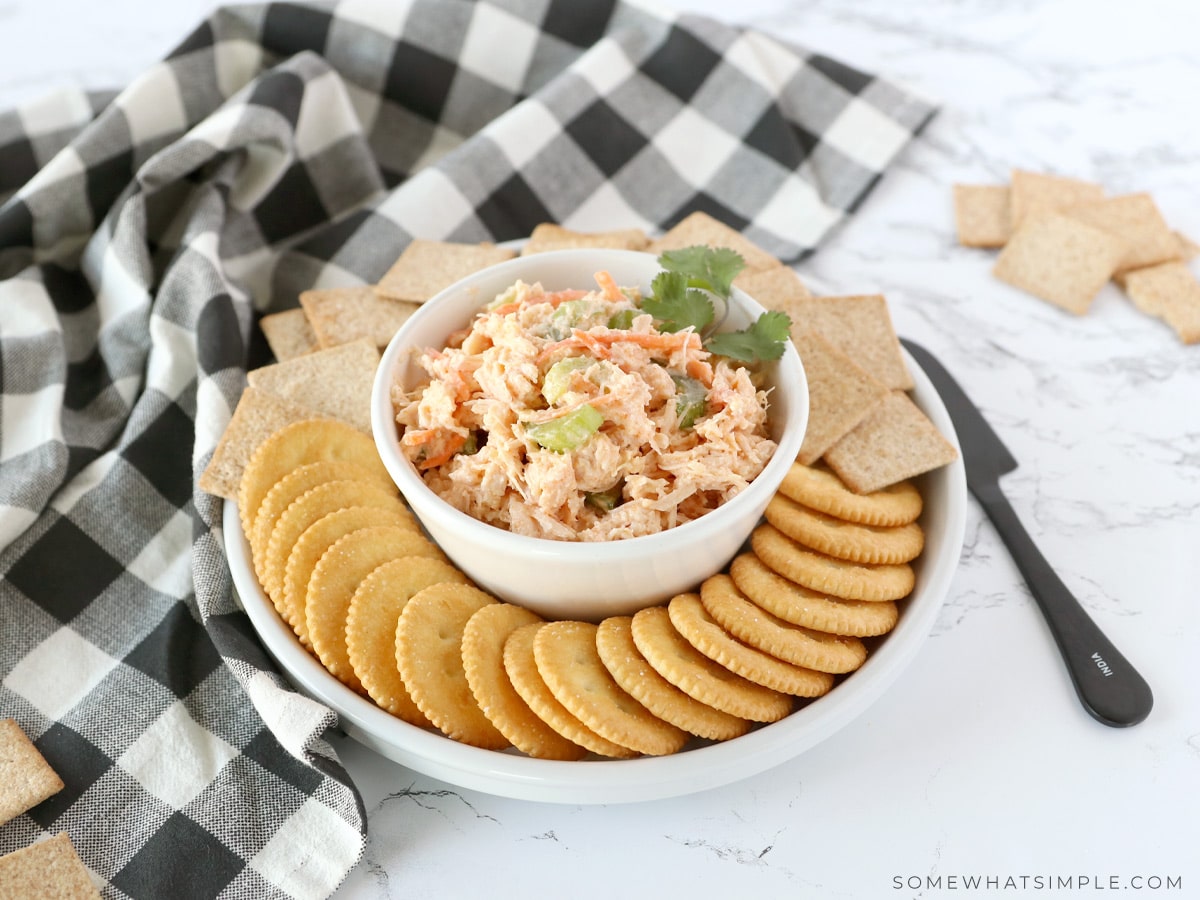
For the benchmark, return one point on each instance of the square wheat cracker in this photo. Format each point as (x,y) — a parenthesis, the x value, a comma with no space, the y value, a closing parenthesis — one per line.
(701,229)
(1034,192)
(549,236)
(257,416)
(26,779)
(1169,292)
(288,334)
(861,327)
(426,268)
(840,394)
(894,442)
(1135,219)
(335,382)
(1188,249)
(46,870)
(1061,260)
(346,314)
(982,214)
(778,288)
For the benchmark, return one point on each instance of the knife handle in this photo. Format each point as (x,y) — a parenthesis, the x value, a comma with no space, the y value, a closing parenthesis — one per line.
(1108,686)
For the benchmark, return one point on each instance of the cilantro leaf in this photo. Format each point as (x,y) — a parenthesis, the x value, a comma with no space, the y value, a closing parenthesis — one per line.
(765,339)
(710,268)
(681,298)
(675,305)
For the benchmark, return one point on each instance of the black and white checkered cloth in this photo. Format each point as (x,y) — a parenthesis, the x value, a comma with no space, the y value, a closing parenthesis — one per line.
(282,147)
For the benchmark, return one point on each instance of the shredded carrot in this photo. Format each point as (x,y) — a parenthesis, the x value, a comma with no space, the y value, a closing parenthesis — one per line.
(701,370)
(668,342)
(609,287)
(454,443)
(419,437)
(581,340)
(556,298)
(602,400)
(598,342)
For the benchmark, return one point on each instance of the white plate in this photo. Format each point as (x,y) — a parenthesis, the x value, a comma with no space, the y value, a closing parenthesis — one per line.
(617,781)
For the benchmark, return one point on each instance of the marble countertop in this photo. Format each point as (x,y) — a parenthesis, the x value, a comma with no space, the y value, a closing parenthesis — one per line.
(979,762)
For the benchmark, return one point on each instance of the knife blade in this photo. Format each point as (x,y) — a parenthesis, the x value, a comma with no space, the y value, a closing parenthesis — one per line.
(1108,686)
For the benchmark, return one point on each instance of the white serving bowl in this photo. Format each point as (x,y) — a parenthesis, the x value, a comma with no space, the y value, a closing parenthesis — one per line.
(564,579)
(698,767)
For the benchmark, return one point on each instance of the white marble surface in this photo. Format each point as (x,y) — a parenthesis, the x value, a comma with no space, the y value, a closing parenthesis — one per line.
(979,761)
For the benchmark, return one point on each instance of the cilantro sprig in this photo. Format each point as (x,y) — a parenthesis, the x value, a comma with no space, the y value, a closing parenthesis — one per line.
(681,298)
(765,339)
(675,306)
(710,268)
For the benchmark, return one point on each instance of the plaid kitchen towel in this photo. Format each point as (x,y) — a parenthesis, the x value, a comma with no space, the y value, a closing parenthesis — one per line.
(281,147)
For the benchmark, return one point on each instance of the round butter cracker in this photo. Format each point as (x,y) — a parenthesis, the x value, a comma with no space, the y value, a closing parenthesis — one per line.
(703,632)
(429,637)
(522,670)
(819,488)
(699,677)
(871,544)
(291,486)
(336,577)
(832,653)
(838,577)
(614,642)
(371,622)
(570,664)
(295,445)
(312,505)
(302,559)
(801,606)
(483,661)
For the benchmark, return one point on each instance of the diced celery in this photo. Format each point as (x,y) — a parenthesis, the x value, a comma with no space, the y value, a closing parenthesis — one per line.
(508,296)
(691,400)
(571,314)
(623,320)
(604,500)
(566,432)
(558,376)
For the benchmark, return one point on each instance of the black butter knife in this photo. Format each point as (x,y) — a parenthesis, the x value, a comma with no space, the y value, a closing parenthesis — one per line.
(1108,686)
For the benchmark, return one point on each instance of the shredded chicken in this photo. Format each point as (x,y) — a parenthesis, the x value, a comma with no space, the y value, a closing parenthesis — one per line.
(567,415)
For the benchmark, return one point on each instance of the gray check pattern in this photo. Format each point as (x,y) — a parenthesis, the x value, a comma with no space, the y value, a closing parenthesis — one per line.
(282,147)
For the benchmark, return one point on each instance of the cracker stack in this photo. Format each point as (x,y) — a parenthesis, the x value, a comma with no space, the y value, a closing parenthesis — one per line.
(1063,239)
(386,614)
